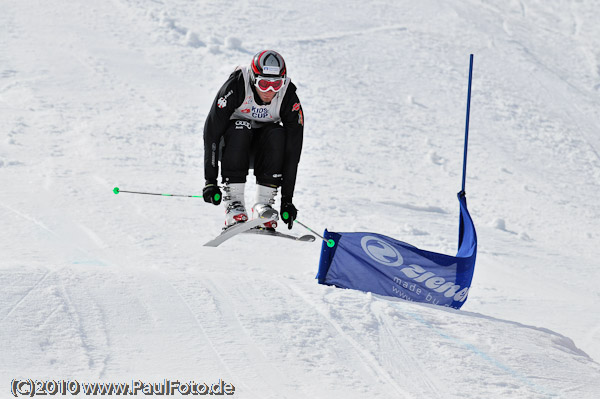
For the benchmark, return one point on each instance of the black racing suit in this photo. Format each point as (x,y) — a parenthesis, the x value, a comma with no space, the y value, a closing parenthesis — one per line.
(275,148)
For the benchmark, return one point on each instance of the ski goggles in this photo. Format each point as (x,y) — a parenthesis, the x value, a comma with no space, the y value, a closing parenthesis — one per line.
(266,84)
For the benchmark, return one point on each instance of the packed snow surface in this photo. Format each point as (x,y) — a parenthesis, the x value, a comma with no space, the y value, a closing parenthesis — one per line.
(98,287)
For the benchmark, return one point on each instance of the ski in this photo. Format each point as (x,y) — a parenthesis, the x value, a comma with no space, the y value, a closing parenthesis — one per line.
(240,228)
(261,231)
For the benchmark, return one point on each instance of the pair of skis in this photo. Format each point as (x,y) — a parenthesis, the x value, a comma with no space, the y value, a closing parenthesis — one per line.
(250,227)
(253,227)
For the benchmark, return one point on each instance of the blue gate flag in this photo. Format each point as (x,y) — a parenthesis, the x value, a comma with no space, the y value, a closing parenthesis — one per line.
(376,263)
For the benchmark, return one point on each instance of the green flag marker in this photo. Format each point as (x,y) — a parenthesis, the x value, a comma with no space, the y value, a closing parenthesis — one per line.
(116,190)
(331,243)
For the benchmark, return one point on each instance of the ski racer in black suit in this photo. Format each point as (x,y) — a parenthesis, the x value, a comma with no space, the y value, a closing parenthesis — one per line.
(256,121)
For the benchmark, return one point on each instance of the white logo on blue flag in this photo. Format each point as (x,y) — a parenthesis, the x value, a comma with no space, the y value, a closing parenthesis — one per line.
(381,251)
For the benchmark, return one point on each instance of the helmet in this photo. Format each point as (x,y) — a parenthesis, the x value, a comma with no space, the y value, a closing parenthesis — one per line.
(268,64)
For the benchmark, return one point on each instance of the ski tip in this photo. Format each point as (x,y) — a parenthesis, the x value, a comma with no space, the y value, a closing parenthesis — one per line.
(116,190)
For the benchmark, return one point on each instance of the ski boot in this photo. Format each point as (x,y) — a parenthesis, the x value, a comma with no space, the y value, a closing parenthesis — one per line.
(265,197)
(233,199)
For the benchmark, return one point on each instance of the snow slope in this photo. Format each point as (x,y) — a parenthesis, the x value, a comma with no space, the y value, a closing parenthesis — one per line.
(99,287)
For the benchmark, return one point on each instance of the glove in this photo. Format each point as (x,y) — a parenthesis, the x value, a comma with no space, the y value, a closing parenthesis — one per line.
(212,193)
(288,212)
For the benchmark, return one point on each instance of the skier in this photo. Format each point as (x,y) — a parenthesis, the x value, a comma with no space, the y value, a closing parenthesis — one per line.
(256,121)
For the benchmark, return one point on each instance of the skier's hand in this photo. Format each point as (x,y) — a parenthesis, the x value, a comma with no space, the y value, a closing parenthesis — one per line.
(212,193)
(288,212)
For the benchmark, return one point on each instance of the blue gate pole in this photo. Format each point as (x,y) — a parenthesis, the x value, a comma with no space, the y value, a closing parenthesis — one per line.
(462,193)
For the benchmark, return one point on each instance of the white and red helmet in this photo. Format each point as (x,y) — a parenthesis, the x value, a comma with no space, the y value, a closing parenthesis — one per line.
(268,64)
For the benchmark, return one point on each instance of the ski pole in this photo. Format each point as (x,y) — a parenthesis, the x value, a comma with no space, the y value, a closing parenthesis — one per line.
(117,190)
(330,242)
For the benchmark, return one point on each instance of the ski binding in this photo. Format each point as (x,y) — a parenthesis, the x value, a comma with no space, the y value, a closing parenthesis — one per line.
(242,227)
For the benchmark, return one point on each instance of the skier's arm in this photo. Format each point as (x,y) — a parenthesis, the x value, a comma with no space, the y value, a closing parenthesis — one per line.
(293,121)
(229,97)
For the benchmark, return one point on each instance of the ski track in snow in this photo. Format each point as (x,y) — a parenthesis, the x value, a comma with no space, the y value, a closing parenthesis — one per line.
(485,356)
(25,295)
(93,337)
(364,354)
(232,312)
(213,329)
